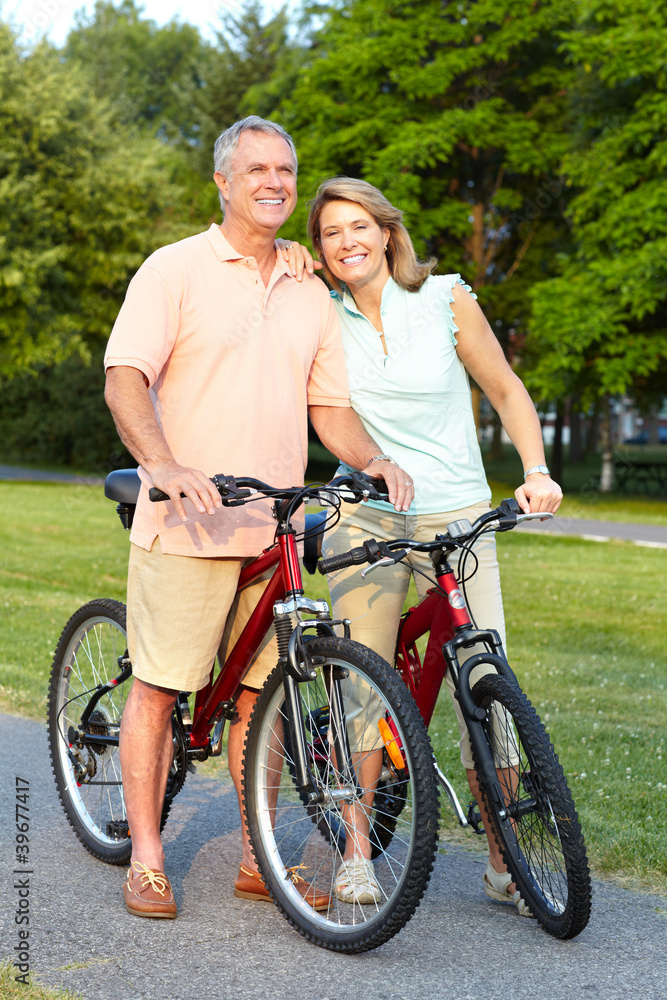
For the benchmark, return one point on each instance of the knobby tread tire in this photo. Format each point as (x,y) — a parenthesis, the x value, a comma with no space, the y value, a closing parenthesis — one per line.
(87,812)
(422,811)
(544,847)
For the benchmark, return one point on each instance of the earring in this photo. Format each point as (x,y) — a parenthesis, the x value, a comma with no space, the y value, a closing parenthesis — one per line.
(385,247)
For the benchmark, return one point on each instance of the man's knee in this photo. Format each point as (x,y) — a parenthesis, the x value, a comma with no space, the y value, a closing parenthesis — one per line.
(151,697)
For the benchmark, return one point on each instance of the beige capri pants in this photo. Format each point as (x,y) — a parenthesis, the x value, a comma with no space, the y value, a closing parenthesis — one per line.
(182,610)
(375,605)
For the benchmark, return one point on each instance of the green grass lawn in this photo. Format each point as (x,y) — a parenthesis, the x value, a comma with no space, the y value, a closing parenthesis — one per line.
(11,990)
(580,485)
(586,629)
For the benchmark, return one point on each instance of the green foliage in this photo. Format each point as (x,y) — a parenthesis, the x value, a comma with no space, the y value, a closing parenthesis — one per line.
(600,325)
(57,417)
(79,210)
(524,142)
(455,111)
(151,74)
(248,72)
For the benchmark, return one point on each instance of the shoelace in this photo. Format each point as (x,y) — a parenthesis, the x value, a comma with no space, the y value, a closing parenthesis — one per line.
(157,880)
(293,873)
(357,871)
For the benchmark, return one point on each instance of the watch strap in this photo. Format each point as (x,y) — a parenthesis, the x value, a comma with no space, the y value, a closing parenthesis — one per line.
(536,468)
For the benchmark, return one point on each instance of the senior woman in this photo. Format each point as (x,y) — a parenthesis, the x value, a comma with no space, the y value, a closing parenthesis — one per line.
(410,340)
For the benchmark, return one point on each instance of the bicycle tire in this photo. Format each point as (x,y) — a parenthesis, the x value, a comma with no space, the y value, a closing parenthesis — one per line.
(533,814)
(87,654)
(293,840)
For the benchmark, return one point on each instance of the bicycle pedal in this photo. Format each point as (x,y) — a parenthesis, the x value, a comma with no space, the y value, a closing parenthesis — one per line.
(474,818)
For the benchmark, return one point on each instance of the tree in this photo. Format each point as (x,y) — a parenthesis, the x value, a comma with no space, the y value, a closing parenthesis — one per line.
(152,74)
(79,210)
(454,110)
(248,72)
(600,323)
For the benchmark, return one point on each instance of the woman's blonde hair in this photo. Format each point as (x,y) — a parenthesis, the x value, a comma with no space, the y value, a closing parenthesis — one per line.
(406,269)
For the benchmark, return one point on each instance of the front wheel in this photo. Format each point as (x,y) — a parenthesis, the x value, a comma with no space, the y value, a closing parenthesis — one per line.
(533,814)
(92,651)
(300,845)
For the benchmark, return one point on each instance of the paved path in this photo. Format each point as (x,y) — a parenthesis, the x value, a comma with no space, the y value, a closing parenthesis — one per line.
(458,946)
(17,473)
(654,535)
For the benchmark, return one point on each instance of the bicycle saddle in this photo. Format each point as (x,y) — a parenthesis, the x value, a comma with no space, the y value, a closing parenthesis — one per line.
(123,486)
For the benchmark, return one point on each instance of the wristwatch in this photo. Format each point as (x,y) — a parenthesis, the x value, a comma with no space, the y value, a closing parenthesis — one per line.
(380,458)
(536,468)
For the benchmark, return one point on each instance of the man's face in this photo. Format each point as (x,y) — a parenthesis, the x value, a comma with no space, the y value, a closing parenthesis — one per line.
(260,195)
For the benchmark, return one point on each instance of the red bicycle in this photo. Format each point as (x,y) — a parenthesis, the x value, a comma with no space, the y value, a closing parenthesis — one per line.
(521,780)
(307,740)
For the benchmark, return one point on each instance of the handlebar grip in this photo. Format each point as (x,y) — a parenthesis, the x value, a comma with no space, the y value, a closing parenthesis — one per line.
(156,495)
(352,558)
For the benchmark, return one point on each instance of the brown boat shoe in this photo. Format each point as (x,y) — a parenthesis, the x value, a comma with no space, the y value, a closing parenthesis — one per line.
(148,893)
(250,885)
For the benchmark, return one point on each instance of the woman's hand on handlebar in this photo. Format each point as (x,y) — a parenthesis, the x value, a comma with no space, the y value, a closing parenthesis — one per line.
(175,479)
(400,487)
(539,494)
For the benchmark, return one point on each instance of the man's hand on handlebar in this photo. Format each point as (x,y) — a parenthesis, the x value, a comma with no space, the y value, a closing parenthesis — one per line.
(174,479)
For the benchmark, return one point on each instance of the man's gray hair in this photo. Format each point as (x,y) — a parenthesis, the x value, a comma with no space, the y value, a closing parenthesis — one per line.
(227,141)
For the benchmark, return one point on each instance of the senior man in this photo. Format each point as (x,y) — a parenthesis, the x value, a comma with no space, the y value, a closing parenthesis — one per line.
(216,359)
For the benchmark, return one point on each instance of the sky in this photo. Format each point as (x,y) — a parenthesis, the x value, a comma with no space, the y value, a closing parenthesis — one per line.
(34,18)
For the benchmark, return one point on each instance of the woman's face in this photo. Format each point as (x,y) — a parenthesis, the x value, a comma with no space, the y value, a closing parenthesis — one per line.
(353,244)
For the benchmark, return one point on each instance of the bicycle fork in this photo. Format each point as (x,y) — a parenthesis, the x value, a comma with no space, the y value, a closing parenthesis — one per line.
(298,669)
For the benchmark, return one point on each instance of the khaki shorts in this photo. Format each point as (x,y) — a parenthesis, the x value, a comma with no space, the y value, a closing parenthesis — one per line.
(181,610)
(375,605)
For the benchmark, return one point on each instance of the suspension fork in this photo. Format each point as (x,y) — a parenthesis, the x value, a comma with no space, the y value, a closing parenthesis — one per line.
(333,676)
(297,666)
(473,714)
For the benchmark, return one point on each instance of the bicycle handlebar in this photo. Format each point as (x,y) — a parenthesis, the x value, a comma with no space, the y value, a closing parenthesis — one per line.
(507,514)
(235,492)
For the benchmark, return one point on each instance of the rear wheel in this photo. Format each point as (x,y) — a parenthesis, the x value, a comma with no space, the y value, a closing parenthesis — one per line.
(295,840)
(533,814)
(92,651)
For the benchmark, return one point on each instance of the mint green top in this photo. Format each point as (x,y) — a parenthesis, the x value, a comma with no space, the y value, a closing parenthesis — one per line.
(415,401)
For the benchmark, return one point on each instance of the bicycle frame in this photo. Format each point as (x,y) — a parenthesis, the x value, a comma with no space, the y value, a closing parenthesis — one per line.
(444,614)
(216,700)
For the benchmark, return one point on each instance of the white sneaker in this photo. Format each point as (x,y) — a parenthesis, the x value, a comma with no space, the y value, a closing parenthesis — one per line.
(356,882)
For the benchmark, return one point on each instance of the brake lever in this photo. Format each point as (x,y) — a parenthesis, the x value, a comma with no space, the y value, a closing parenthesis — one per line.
(231,494)
(385,561)
(544,515)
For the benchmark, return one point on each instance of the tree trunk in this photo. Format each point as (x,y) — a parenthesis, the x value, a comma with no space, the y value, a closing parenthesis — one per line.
(576,449)
(592,435)
(652,422)
(557,450)
(607,472)
(496,450)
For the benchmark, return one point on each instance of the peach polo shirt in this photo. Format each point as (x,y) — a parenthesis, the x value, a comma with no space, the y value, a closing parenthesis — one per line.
(232,367)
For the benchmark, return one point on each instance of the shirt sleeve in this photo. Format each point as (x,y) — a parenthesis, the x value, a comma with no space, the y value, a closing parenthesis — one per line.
(147,325)
(327,380)
(446,284)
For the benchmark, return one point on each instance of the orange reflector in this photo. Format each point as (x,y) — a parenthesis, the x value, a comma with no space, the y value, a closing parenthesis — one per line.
(391,744)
